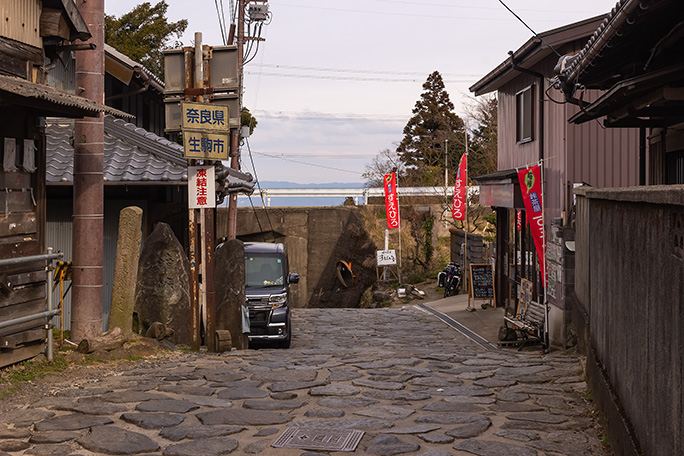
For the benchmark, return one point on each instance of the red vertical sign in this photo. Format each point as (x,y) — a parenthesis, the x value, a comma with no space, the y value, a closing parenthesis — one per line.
(391,200)
(530,185)
(518,220)
(458,209)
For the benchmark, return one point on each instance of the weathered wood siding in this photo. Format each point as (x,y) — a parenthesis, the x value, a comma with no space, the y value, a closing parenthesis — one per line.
(22,218)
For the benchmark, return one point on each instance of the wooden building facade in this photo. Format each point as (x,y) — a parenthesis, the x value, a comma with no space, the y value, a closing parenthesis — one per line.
(533,128)
(30,33)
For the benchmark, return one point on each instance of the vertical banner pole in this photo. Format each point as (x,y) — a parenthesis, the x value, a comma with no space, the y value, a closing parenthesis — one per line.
(546,271)
(465,254)
(399,215)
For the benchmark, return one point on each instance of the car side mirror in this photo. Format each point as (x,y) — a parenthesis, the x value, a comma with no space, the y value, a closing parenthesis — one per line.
(294,278)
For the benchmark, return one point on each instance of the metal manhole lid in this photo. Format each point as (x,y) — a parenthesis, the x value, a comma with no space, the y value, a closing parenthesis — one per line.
(319,439)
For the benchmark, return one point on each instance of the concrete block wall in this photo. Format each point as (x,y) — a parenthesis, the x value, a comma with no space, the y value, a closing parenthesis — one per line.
(316,238)
(630,279)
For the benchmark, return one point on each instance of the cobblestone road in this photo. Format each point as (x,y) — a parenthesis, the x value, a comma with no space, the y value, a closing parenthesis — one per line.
(413,385)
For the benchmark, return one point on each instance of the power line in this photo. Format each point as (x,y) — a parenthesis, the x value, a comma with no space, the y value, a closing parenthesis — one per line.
(296,117)
(529,28)
(307,163)
(263,203)
(390,13)
(351,70)
(490,8)
(345,78)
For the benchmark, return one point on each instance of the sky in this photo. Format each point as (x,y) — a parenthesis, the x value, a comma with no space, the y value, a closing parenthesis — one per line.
(334,82)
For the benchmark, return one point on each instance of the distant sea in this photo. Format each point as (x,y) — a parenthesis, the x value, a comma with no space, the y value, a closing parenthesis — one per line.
(243,201)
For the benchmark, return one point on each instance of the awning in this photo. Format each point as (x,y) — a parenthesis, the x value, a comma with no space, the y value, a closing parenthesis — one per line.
(500,189)
(651,100)
(47,101)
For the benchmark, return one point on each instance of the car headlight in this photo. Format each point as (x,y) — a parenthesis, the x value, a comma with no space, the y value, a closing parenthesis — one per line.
(278,300)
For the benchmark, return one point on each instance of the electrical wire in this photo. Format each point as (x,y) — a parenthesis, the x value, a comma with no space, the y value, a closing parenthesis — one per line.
(363,71)
(389,13)
(261,229)
(299,162)
(530,28)
(348,78)
(472,7)
(256,177)
(550,98)
(232,11)
(222,25)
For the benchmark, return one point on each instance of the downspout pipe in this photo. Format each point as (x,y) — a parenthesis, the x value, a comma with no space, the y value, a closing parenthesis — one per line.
(541,78)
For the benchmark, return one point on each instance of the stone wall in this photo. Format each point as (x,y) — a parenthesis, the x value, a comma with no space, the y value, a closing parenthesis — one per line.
(629,282)
(316,238)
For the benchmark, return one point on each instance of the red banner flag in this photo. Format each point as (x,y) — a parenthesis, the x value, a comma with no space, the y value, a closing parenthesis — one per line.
(530,186)
(391,200)
(459,205)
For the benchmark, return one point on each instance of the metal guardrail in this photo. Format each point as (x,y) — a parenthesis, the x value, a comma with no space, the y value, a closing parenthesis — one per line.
(50,312)
(30,259)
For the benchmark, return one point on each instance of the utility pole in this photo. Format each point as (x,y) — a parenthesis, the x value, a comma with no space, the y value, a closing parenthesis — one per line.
(234,139)
(88,219)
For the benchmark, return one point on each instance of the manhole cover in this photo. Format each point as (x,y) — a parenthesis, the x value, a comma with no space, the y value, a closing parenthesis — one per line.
(318,439)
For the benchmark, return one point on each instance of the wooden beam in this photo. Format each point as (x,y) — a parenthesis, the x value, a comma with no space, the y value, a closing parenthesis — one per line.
(53,23)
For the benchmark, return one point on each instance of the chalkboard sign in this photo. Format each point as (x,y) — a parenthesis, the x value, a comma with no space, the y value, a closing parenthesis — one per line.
(481,281)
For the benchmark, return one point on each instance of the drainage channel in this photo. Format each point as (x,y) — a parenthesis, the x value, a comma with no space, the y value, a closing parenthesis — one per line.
(481,341)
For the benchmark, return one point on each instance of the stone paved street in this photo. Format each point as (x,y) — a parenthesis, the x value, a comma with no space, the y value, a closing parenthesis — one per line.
(411,383)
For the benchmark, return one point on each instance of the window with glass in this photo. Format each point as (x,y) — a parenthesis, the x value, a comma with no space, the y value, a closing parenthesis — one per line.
(263,270)
(524,115)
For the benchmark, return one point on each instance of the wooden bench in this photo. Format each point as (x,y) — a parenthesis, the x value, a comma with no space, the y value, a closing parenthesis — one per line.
(530,323)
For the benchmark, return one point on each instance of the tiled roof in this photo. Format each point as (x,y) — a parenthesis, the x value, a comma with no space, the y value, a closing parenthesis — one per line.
(131,155)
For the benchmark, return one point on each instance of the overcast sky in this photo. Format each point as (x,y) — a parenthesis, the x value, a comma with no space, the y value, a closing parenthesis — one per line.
(335,81)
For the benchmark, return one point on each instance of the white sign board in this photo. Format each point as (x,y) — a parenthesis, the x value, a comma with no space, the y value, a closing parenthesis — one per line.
(201,187)
(386,257)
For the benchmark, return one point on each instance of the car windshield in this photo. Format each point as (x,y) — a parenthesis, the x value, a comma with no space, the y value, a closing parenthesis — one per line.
(263,270)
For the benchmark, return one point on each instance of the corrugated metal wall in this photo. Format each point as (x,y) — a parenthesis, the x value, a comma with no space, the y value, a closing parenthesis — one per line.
(20,21)
(63,75)
(59,236)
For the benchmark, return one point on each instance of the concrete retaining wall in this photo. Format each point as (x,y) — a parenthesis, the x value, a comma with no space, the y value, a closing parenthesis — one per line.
(316,238)
(630,282)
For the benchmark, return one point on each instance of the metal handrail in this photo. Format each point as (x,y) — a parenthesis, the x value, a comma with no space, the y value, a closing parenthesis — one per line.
(29,259)
(50,312)
(16,321)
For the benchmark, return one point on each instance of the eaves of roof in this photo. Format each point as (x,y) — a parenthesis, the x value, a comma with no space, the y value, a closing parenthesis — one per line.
(49,101)
(79,28)
(623,45)
(534,51)
(128,66)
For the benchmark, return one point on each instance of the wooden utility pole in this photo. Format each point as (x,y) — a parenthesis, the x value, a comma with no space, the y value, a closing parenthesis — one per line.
(88,220)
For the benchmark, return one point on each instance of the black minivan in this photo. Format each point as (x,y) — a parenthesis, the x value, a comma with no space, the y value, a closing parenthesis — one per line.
(267,290)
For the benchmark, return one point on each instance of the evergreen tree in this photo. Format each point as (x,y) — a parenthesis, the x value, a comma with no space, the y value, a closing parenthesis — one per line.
(433,126)
(143,33)
(483,152)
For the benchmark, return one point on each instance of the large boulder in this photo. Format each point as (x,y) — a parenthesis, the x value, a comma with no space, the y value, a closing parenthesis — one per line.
(163,288)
